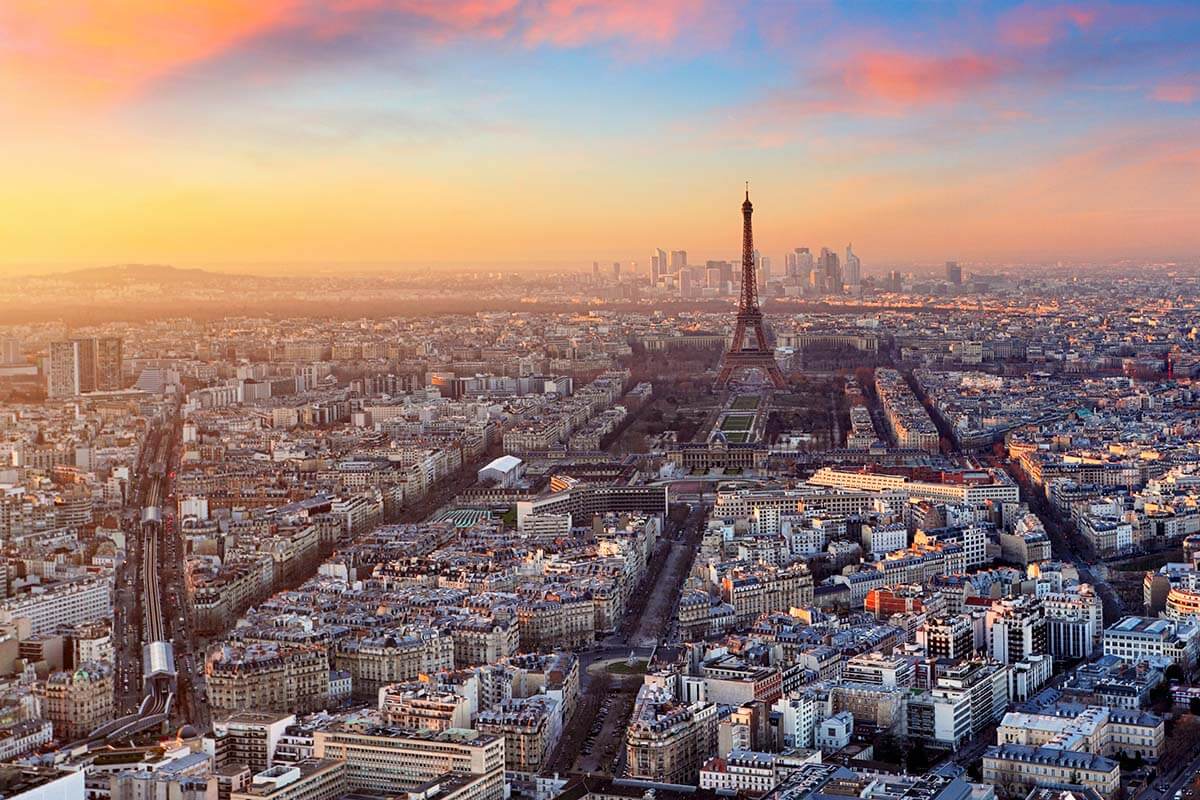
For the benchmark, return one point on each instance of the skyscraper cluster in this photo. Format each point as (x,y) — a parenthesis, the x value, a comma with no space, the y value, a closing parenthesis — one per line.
(672,273)
(826,274)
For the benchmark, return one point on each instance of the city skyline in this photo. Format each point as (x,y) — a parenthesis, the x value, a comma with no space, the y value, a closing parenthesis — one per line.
(388,410)
(567,131)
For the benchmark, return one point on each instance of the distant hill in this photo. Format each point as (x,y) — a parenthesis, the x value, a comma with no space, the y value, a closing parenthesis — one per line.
(146,273)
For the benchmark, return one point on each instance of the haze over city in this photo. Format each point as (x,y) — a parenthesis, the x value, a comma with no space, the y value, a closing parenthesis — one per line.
(409,132)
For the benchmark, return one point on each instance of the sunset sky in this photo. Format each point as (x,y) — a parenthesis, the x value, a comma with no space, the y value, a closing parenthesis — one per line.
(244,131)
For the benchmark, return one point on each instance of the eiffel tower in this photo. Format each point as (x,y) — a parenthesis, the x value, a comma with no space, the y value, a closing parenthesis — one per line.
(748,351)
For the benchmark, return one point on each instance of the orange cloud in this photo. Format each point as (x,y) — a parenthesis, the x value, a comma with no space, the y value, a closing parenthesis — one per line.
(1176,93)
(104,49)
(1039,25)
(907,79)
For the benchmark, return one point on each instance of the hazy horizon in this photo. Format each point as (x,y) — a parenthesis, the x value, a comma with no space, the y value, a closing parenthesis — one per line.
(564,131)
(316,268)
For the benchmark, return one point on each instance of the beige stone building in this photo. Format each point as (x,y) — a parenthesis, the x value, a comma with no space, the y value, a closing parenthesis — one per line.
(669,741)
(1110,732)
(421,706)
(268,677)
(480,640)
(529,727)
(379,661)
(80,701)
(761,591)
(1014,769)
(219,596)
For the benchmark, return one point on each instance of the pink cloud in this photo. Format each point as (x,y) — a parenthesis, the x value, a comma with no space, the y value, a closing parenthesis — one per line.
(913,79)
(1039,25)
(463,14)
(874,83)
(1183,93)
(569,23)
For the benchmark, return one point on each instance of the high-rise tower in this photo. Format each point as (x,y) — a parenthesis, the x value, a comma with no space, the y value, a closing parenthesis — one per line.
(953,273)
(79,366)
(853,268)
(749,348)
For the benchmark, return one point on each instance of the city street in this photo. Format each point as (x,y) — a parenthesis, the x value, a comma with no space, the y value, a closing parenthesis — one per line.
(1176,779)
(643,631)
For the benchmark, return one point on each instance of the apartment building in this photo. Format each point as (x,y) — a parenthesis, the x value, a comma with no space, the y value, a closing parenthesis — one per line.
(219,596)
(987,685)
(67,603)
(24,737)
(730,680)
(1016,769)
(1107,535)
(1151,638)
(268,677)
(950,637)
(799,713)
(555,675)
(311,779)
(873,705)
(386,759)
(250,737)
(668,741)
(878,669)
(84,365)
(906,418)
(753,593)
(742,771)
(885,601)
(483,640)
(79,701)
(1111,732)
(1016,629)
(942,715)
(530,728)
(564,620)
(1074,622)
(421,706)
(375,662)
